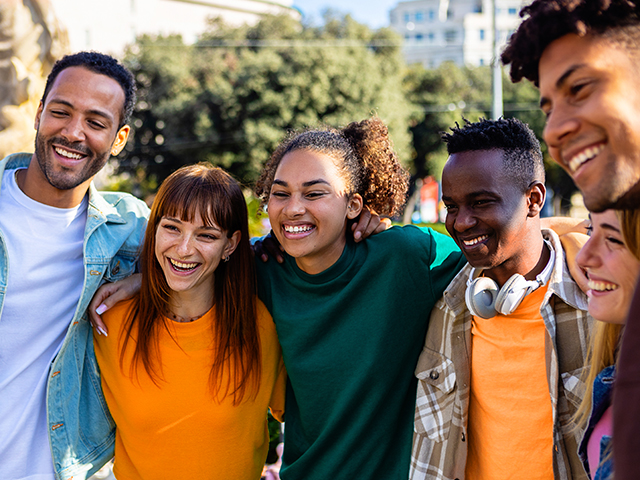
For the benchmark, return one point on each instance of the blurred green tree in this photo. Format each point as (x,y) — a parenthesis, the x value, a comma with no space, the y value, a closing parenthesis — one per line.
(230,98)
(448,94)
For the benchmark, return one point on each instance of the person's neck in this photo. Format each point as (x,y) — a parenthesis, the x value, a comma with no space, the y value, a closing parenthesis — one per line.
(189,306)
(529,263)
(321,261)
(35,185)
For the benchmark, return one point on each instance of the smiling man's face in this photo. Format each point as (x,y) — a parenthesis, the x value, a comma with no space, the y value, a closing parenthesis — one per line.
(77,126)
(486,213)
(590,92)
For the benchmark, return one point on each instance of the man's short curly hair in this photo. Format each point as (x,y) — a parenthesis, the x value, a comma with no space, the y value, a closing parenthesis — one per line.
(547,20)
(104,65)
(522,157)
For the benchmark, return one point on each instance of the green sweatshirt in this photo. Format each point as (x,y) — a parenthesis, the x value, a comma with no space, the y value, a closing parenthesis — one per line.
(351,337)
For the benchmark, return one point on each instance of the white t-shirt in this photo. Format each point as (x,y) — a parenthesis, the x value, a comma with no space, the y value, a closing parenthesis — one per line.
(44,246)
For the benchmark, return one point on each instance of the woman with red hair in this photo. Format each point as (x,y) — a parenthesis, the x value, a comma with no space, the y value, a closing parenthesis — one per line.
(193,362)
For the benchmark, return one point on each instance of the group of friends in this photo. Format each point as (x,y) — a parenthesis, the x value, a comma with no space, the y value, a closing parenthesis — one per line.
(391,353)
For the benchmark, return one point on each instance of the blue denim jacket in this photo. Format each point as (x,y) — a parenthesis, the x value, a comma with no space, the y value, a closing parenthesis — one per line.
(81,430)
(601,400)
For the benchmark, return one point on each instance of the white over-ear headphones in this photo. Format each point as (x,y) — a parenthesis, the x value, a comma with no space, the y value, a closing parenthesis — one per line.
(485,299)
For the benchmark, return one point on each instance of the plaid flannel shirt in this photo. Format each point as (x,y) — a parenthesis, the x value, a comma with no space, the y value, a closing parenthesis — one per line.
(443,372)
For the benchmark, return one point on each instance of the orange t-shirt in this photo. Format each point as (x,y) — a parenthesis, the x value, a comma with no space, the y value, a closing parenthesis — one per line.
(510,425)
(176,429)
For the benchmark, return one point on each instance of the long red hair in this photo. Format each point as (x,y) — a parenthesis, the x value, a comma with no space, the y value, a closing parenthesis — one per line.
(219,199)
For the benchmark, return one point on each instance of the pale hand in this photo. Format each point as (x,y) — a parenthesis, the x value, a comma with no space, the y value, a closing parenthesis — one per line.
(108,295)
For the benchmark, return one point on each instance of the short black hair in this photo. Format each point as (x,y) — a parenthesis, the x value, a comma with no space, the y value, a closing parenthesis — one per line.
(105,65)
(522,156)
(547,20)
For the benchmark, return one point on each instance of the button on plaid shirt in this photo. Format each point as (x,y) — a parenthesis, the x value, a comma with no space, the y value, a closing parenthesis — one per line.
(443,372)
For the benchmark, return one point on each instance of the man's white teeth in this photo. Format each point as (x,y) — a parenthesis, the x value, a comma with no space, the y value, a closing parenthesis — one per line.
(601,286)
(67,154)
(297,229)
(182,265)
(470,243)
(583,156)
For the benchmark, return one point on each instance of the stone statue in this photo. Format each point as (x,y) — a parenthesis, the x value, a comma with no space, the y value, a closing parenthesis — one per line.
(31,40)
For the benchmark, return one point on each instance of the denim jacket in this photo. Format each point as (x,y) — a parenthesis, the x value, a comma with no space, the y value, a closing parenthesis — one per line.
(600,401)
(81,430)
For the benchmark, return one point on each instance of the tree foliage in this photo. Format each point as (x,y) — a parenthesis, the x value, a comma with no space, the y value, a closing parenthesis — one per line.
(449,94)
(230,98)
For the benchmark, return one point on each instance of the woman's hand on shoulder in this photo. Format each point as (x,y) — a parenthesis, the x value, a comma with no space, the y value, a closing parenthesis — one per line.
(108,295)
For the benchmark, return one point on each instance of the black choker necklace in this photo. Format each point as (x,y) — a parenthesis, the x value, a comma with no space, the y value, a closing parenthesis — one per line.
(179,319)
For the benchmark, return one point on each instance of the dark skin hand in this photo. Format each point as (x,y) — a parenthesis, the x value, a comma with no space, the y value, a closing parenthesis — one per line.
(268,247)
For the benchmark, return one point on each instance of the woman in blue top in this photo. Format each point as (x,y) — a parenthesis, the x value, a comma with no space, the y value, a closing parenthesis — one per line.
(611,259)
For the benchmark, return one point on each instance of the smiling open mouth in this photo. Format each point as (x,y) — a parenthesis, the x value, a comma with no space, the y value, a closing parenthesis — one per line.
(67,154)
(475,241)
(182,266)
(602,286)
(298,229)
(584,156)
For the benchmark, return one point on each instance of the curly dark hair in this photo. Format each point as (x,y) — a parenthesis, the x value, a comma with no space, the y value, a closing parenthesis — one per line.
(366,158)
(547,20)
(522,156)
(105,65)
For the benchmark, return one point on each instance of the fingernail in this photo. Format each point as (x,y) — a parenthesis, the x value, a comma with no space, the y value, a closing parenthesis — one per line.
(264,258)
(101,309)
(102,332)
(357,235)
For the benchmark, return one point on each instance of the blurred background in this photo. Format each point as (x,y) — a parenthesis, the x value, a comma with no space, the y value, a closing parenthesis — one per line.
(222,81)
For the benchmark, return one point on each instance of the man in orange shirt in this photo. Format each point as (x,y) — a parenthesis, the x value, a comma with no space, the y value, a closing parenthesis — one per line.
(499,376)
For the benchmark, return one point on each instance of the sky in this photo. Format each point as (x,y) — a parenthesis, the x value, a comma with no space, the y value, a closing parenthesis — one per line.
(374,13)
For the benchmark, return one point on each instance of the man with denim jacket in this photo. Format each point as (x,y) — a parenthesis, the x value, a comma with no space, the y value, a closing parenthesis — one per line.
(59,240)
(499,375)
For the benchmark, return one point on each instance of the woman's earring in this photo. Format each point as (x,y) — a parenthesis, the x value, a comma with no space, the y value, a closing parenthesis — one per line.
(226,258)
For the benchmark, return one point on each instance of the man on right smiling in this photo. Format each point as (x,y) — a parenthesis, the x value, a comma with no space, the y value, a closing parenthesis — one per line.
(584,56)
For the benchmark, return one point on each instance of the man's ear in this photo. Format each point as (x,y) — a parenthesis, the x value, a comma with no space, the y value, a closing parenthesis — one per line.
(36,122)
(536,195)
(354,206)
(121,140)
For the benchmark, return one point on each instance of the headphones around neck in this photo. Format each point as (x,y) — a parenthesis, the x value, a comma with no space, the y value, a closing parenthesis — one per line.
(485,299)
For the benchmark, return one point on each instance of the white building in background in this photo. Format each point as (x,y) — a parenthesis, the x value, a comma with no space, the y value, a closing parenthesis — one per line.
(109,25)
(461,31)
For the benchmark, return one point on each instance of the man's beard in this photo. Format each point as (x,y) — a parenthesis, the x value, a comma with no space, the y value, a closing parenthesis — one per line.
(62,178)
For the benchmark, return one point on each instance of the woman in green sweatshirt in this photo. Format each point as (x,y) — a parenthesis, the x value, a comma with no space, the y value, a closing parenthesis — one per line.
(351,317)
